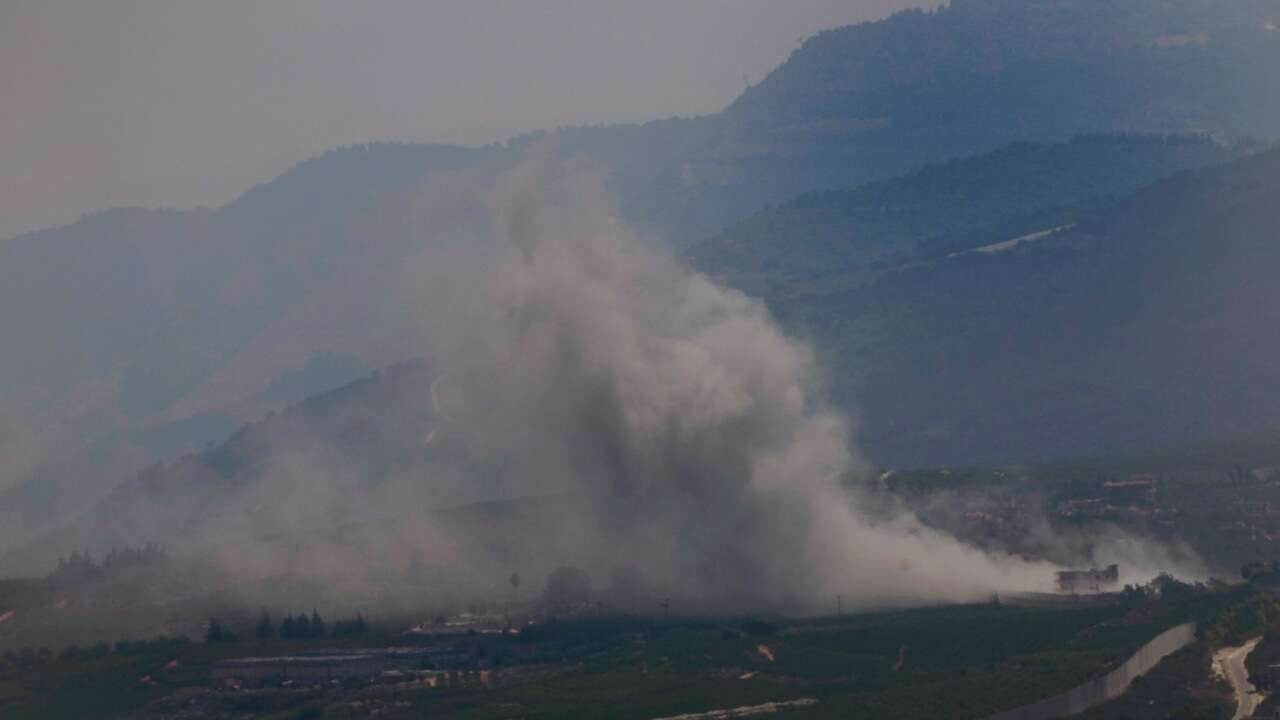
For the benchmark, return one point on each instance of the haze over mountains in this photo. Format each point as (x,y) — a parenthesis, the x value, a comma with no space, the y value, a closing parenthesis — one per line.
(851,237)
(135,336)
(879,99)
(1149,324)
(1061,344)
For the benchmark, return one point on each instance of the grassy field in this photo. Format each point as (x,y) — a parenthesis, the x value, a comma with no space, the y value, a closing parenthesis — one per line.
(953,662)
(961,661)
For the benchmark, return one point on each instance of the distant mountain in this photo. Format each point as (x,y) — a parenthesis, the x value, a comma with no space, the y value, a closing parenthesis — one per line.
(367,439)
(845,238)
(378,448)
(131,311)
(136,334)
(1149,324)
(878,99)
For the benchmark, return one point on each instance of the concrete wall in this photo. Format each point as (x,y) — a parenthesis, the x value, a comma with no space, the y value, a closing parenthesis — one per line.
(1060,600)
(303,669)
(1109,686)
(343,664)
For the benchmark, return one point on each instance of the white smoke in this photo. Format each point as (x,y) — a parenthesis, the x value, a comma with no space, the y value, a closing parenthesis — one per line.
(697,427)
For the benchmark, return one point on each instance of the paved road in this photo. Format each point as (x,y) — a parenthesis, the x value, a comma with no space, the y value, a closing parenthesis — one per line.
(1230,663)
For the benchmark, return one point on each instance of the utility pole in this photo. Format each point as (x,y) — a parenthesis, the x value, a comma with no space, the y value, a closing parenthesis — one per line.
(666,607)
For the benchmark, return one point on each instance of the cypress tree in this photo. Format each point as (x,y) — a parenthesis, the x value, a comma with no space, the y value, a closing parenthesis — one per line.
(265,630)
(214,632)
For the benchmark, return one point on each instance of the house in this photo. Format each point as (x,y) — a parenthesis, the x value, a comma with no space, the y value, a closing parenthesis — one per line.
(1092,580)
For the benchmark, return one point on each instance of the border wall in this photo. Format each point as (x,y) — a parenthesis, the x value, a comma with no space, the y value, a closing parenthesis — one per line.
(1060,600)
(1109,686)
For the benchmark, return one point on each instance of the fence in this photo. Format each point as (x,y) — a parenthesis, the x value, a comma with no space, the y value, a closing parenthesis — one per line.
(1109,686)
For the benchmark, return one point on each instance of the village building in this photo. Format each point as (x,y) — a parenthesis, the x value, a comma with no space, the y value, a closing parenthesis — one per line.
(1092,580)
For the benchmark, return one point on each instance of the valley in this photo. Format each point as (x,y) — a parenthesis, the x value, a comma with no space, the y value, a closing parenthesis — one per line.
(932,373)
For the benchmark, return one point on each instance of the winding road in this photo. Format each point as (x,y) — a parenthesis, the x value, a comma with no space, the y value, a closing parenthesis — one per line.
(1229,663)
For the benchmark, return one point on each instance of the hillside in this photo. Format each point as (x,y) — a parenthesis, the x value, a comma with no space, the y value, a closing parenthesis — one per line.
(328,460)
(850,237)
(136,335)
(1151,324)
(1148,324)
(878,99)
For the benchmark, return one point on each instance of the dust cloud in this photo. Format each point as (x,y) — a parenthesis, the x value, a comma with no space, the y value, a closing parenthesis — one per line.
(695,428)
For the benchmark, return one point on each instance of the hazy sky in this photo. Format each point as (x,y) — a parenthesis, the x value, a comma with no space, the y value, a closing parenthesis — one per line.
(179,103)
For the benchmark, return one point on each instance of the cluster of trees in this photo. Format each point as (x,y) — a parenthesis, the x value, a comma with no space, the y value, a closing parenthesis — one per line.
(1167,588)
(28,657)
(1257,613)
(1173,590)
(300,626)
(352,626)
(215,632)
(80,567)
(292,627)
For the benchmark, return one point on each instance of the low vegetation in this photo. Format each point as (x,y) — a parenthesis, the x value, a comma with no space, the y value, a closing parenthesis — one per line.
(961,661)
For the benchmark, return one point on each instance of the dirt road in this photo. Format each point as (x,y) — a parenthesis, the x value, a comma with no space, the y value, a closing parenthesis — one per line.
(1229,663)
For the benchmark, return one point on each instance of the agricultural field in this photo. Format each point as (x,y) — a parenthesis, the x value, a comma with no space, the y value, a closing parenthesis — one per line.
(964,661)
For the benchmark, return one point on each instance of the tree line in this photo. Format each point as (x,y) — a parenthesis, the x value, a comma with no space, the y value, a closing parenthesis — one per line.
(81,567)
(292,627)
(29,657)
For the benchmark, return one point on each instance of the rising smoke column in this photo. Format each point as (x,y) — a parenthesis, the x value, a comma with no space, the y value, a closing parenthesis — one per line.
(695,425)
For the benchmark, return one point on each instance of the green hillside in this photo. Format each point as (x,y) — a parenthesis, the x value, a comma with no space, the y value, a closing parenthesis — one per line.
(846,238)
(1147,325)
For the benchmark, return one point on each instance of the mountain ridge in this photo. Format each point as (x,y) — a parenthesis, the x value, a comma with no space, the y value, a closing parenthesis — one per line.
(1051,349)
(133,320)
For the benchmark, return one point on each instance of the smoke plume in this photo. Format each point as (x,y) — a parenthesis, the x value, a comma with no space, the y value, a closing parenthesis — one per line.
(694,425)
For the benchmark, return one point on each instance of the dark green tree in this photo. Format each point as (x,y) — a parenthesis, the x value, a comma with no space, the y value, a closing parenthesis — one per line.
(214,632)
(265,630)
(317,624)
(352,626)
